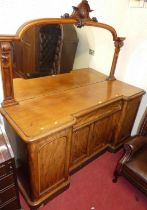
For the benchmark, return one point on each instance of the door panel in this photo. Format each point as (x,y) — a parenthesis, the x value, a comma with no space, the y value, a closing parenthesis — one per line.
(79,144)
(104,131)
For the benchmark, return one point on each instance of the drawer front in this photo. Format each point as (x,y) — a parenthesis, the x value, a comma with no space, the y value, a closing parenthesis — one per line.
(6,182)
(7,195)
(12,204)
(98,114)
(3,171)
(6,168)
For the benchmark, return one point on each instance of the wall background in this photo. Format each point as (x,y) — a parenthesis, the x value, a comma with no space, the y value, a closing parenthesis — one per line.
(129,22)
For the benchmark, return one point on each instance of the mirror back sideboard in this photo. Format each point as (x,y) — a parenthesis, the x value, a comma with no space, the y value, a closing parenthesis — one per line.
(57,124)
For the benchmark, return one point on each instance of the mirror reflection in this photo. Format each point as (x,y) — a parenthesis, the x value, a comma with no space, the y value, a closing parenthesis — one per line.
(45,50)
(58,48)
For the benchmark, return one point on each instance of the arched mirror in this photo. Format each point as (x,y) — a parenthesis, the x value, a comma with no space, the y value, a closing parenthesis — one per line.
(52,49)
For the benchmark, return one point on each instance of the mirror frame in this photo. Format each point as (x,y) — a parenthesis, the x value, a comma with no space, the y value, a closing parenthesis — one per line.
(80,17)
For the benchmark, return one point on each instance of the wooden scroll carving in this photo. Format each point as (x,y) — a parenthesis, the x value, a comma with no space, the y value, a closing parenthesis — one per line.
(6,69)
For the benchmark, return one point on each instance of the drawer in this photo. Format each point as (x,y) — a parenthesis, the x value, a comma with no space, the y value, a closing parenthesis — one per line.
(3,171)
(6,181)
(7,194)
(12,204)
(6,168)
(98,113)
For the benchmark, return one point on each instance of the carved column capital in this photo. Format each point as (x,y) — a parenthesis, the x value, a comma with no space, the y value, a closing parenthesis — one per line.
(6,69)
(119,42)
(5,46)
(5,53)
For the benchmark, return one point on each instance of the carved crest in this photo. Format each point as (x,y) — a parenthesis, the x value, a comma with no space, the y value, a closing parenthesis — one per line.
(81,13)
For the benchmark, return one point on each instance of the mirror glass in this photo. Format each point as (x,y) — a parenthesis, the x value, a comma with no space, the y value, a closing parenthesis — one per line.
(59,48)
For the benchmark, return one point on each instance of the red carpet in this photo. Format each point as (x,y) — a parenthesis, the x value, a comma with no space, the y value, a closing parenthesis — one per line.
(92,188)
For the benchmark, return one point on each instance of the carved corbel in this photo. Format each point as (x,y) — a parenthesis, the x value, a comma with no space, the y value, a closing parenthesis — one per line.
(118,43)
(81,13)
(6,69)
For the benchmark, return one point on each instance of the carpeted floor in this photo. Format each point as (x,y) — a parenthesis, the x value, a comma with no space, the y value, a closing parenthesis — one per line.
(91,188)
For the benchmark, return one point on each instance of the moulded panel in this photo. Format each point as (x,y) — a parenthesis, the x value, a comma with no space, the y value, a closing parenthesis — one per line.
(104,131)
(52,159)
(128,117)
(79,144)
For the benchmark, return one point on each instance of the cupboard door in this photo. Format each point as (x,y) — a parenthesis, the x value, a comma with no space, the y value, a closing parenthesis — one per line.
(79,145)
(49,164)
(103,132)
(52,159)
(128,115)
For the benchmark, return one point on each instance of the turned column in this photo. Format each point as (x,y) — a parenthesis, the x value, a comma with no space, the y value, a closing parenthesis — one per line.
(6,71)
(118,44)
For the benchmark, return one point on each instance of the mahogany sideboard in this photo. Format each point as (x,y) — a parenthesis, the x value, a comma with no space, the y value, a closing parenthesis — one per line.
(58,123)
(9,196)
(61,123)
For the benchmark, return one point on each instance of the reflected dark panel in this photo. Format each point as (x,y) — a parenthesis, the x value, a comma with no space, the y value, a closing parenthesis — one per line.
(45,50)
(49,48)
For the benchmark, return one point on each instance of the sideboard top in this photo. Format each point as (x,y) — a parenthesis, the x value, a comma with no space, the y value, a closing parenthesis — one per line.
(42,115)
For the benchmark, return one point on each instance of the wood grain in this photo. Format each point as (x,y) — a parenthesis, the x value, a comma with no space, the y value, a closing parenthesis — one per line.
(50,85)
(32,121)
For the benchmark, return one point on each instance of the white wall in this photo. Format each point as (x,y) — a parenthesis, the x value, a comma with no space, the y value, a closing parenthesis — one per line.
(132,65)
(15,12)
(129,22)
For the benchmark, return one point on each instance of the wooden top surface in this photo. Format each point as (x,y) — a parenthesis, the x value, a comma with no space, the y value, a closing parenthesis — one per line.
(42,115)
(30,88)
